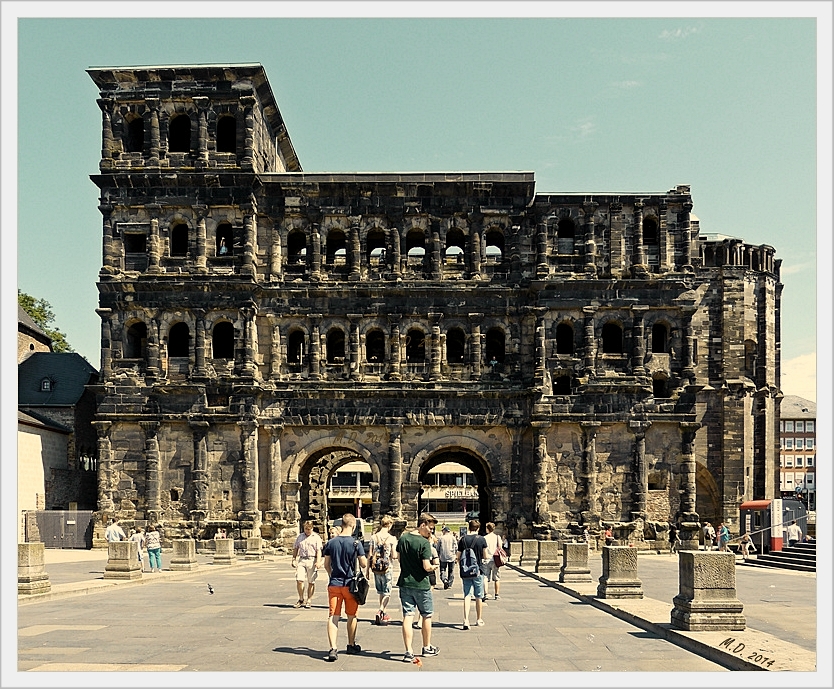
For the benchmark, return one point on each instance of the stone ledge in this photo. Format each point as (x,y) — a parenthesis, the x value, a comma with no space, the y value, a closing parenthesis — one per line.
(745,650)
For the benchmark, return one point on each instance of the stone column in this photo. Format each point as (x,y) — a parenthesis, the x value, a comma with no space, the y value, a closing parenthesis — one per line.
(153,369)
(685,233)
(249,450)
(355,253)
(275,353)
(638,341)
(249,240)
(690,521)
(590,242)
(435,345)
(639,268)
(153,149)
(184,558)
(355,346)
(641,470)
(688,349)
(590,340)
(707,598)
(529,553)
(247,161)
(106,345)
(475,349)
(110,257)
(315,348)
(549,556)
(31,573)
(542,267)
(224,551)
(249,369)
(275,466)
(315,253)
(540,365)
(201,103)
(589,471)
(199,473)
(395,250)
(123,561)
(108,145)
(395,470)
(105,458)
(575,568)
(276,254)
(200,343)
(436,261)
(542,508)
(619,573)
(154,508)
(200,248)
(475,253)
(396,350)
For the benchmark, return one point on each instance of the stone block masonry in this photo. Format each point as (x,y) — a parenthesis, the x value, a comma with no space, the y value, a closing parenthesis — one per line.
(707,598)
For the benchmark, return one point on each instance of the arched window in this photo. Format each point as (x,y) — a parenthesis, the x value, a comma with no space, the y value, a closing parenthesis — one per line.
(455,243)
(135,142)
(565,236)
(495,346)
(415,246)
(336,346)
(178,338)
(612,339)
(375,247)
(296,247)
(415,347)
(561,385)
(660,339)
(494,241)
(336,247)
(660,386)
(564,338)
(224,240)
(375,347)
(223,341)
(136,341)
(179,134)
(295,348)
(179,240)
(650,233)
(455,346)
(226,134)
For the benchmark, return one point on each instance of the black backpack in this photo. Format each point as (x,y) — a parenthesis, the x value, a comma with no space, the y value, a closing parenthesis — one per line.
(470,564)
(381,558)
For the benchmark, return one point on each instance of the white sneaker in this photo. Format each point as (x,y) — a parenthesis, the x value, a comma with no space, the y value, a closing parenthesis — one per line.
(480,623)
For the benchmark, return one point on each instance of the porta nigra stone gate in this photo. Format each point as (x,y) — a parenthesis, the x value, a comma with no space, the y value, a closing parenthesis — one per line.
(594,359)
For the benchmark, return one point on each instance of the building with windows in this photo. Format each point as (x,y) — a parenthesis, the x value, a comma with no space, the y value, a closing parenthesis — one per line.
(798,460)
(588,358)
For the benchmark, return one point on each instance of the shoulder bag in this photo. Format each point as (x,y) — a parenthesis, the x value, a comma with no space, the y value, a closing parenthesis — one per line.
(358,584)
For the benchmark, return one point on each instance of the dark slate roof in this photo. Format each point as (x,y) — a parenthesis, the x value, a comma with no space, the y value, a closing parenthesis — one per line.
(25,322)
(68,372)
(795,407)
(33,419)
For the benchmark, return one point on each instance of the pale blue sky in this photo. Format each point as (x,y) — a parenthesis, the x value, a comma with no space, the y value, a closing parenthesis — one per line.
(725,105)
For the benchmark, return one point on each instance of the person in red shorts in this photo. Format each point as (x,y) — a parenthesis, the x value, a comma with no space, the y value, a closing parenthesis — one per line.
(340,555)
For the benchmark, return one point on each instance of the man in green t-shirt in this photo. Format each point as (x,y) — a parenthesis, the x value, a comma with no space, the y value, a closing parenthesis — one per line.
(414,551)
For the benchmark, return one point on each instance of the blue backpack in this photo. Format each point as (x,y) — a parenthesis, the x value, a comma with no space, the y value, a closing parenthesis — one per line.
(470,564)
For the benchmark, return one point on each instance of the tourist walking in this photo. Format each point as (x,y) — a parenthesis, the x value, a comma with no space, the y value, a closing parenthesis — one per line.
(415,555)
(674,538)
(723,536)
(609,536)
(746,545)
(114,532)
(381,564)
(794,533)
(447,547)
(138,537)
(492,572)
(153,542)
(472,577)
(341,555)
(709,536)
(307,560)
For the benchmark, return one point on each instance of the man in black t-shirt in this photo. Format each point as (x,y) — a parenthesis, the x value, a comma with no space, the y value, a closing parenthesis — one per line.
(475,585)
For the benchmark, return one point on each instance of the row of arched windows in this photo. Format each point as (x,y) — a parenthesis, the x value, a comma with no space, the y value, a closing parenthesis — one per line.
(179,134)
(612,338)
(179,340)
(566,229)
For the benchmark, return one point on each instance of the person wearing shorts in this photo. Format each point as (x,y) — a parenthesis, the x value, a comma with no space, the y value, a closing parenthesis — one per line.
(340,556)
(414,550)
(473,587)
(307,560)
(492,573)
(383,580)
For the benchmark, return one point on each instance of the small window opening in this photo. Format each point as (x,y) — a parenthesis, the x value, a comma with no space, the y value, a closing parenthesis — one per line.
(336,346)
(137,341)
(564,338)
(375,347)
(296,247)
(660,386)
(226,135)
(136,135)
(494,246)
(455,242)
(295,348)
(224,239)
(175,495)
(375,247)
(336,245)
(415,347)
(178,338)
(495,344)
(660,339)
(223,341)
(46,385)
(179,134)
(179,240)
(415,245)
(135,243)
(612,339)
(561,385)
(650,233)
(455,346)
(565,234)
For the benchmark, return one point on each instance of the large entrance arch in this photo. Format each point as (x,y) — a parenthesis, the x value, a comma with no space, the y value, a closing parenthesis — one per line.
(314,476)
(480,477)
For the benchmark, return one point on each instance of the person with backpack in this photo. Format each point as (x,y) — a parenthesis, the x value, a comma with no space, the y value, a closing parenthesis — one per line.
(472,553)
(447,547)
(492,572)
(383,551)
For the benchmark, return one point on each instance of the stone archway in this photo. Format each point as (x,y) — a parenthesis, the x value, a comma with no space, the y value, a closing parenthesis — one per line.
(314,476)
(707,495)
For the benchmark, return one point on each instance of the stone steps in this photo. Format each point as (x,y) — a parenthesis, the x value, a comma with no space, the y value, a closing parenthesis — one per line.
(801,558)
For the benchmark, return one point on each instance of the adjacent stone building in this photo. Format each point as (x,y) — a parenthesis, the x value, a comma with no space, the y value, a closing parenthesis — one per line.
(589,357)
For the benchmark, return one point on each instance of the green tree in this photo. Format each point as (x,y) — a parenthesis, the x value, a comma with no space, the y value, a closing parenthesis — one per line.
(40,311)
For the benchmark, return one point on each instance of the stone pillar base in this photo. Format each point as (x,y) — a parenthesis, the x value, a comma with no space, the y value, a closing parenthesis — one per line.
(549,557)
(529,553)
(254,549)
(224,551)
(31,575)
(707,596)
(123,561)
(575,568)
(619,573)
(184,558)
(711,616)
